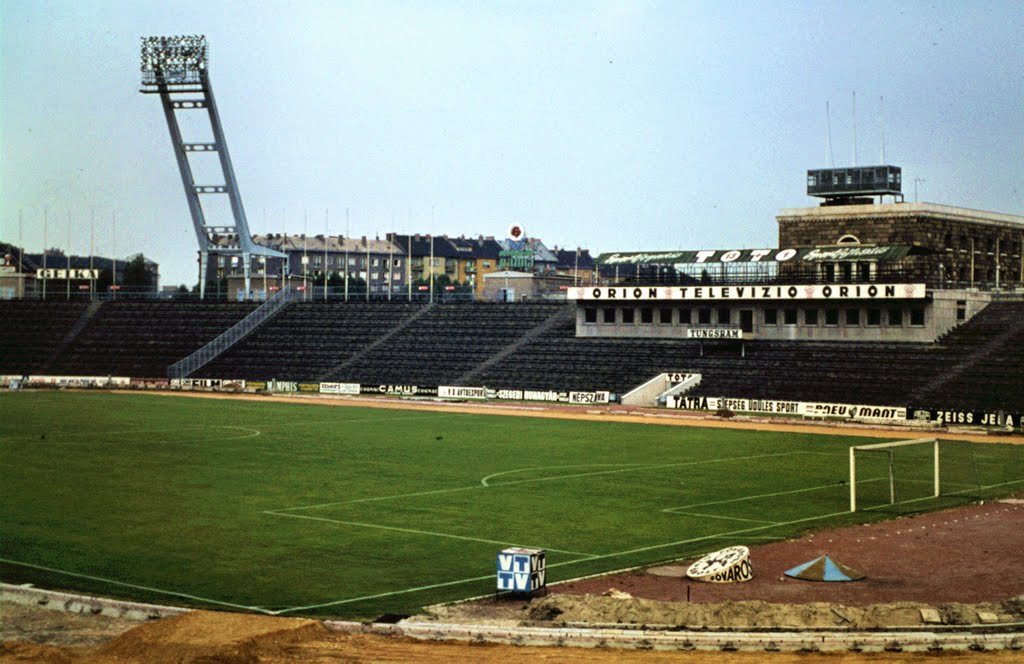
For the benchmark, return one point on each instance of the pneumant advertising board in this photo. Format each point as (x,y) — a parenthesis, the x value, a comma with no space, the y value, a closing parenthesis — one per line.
(751,292)
(776,407)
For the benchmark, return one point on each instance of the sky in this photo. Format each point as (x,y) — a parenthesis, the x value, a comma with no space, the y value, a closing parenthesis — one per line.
(615,126)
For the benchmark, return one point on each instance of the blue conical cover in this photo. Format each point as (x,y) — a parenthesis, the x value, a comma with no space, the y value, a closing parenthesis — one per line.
(824,568)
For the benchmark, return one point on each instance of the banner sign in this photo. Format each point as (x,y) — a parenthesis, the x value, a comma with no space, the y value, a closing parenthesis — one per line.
(282,386)
(452,392)
(777,407)
(339,388)
(714,333)
(969,417)
(398,390)
(255,385)
(309,387)
(589,397)
(684,258)
(532,395)
(7,379)
(55,273)
(750,292)
(150,383)
(80,381)
(226,384)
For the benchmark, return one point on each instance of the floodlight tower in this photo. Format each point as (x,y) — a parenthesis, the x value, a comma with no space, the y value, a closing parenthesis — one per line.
(176,69)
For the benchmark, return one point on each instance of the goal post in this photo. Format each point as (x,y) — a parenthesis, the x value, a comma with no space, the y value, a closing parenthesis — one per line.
(890,477)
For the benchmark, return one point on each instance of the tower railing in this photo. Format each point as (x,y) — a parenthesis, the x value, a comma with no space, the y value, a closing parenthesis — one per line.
(231,336)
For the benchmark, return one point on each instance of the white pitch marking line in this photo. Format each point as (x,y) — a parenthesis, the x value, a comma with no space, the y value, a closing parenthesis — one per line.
(728,518)
(382,594)
(160,591)
(561,564)
(951,493)
(530,480)
(486,481)
(389,593)
(638,468)
(745,531)
(419,532)
(702,538)
(62,438)
(754,497)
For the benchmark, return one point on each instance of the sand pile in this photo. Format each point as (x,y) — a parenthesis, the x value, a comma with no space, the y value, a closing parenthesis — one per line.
(226,638)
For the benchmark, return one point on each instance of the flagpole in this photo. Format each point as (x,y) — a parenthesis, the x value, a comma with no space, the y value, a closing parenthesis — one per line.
(113,242)
(305,256)
(326,239)
(92,252)
(69,255)
(346,254)
(45,225)
(21,253)
(391,254)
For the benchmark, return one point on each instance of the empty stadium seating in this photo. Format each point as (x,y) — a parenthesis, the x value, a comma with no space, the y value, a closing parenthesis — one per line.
(31,331)
(305,339)
(979,365)
(141,338)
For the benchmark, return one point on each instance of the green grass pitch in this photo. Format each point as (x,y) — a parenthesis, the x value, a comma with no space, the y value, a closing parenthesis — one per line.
(300,509)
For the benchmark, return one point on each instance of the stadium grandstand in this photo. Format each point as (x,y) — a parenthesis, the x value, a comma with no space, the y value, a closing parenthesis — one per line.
(865,309)
(912,307)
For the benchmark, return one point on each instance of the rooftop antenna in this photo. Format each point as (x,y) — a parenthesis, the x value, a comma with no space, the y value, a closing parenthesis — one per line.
(854,128)
(828,138)
(881,101)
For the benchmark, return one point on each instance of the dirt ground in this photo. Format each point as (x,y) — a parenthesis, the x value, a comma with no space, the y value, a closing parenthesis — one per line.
(963,564)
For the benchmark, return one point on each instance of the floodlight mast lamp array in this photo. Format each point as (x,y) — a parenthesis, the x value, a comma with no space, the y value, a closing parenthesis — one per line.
(173,67)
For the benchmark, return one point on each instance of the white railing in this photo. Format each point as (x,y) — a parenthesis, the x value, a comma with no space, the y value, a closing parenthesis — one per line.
(653,392)
(231,336)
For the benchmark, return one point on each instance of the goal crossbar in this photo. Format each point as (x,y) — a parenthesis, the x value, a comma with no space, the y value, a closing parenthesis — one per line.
(883,447)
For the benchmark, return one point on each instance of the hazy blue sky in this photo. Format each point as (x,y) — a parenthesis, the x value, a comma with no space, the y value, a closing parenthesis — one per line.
(612,125)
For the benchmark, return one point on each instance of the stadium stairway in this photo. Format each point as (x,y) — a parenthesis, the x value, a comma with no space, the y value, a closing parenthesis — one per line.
(140,338)
(567,314)
(86,316)
(339,369)
(306,338)
(978,365)
(448,341)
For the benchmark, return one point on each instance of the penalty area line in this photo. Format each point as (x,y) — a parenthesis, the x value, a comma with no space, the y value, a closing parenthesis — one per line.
(161,591)
(414,531)
(391,593)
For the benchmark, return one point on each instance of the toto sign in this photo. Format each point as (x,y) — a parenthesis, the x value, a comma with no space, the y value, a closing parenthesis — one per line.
(730,565)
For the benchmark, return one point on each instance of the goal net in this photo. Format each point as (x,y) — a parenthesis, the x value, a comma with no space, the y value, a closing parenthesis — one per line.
(912,474)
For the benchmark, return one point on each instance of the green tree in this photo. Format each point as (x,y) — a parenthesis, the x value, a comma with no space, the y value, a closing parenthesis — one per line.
(138,275)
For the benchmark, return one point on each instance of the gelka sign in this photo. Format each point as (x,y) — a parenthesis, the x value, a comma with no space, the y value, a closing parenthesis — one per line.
(731,565)
(750,292)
